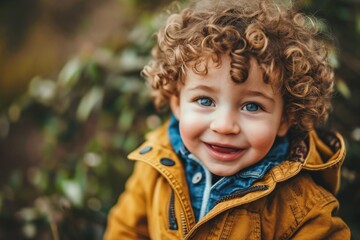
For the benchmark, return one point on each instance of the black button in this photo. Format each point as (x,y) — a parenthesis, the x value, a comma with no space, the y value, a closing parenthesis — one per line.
(167,162)
(145,150)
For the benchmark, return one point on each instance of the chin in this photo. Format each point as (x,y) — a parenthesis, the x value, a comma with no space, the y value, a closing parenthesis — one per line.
(222,173)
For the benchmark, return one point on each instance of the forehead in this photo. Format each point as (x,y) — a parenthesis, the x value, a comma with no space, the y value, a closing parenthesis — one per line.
(207,67)
(217,79)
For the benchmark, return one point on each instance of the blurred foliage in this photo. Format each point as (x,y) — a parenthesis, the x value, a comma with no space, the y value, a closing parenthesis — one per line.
(64,142)
(87,119)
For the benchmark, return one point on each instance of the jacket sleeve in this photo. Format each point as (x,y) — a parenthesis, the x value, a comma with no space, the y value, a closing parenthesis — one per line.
(322,223)
(127,219)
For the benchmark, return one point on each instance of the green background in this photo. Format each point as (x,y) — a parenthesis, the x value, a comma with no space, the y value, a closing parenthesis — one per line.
(73,105)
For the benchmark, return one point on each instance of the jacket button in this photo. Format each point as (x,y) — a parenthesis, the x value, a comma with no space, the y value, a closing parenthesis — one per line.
(167,162)
(196,178)
(145,150)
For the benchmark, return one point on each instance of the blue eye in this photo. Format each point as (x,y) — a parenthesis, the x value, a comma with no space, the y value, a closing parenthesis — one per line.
(251,107)
(204,101)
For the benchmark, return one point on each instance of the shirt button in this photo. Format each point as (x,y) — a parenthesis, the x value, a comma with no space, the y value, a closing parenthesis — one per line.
(197,178)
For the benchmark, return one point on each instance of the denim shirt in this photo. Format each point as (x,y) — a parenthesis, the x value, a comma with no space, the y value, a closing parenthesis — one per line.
(203,192)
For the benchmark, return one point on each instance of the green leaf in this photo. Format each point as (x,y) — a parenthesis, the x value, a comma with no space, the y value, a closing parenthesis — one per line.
(29,230)
(38,178)
(343,88)
(28,214)
(130,61)
(73,192)
(42,90)
(132,85)
(88,102)
(93,71)
(358,23)
(74,189)
(80,176)
(92,159)
(333,59)
(69,75)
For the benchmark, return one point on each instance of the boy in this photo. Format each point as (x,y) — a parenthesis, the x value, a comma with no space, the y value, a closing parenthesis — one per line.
(240,158)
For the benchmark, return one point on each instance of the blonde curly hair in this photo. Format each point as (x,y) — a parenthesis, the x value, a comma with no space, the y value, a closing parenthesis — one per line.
(286,44)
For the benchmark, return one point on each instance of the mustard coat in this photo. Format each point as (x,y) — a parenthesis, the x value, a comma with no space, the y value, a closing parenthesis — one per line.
(294,200)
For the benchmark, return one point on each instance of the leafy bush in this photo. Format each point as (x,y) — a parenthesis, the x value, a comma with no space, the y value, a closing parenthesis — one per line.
(89,118)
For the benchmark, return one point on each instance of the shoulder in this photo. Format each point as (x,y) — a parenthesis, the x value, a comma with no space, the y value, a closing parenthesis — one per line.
(297,202)
(300,195)
(142,178)
(303,191)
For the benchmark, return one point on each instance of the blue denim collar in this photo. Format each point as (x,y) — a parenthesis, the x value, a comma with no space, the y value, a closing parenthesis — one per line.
(175,138)
(226,185)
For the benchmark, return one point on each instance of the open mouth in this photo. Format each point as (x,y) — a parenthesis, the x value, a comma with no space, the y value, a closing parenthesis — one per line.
(222,152)
(223,149)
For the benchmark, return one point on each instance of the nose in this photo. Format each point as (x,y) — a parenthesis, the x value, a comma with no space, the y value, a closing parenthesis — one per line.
(225,122)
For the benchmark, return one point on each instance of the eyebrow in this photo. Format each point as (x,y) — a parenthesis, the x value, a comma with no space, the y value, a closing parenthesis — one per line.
(202,87)
(247,92)
(260,94)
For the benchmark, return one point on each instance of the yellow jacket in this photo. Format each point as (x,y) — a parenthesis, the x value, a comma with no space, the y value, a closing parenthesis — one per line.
(294,200)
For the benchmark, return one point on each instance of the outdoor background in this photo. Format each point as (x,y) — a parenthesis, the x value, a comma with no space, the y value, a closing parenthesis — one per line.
(73,105)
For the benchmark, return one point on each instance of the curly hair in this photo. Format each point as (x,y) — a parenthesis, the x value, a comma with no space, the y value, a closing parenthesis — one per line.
(286,44)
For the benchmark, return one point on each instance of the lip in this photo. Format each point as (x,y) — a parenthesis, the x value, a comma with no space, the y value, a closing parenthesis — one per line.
(223,152)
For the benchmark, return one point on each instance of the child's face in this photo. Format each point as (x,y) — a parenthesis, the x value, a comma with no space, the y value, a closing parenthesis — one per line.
(228,126)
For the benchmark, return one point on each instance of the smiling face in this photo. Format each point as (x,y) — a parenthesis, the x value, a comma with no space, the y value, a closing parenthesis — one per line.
(228,126)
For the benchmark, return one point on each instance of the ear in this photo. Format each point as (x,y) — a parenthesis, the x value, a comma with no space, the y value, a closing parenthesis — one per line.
(284,126)
(175,106)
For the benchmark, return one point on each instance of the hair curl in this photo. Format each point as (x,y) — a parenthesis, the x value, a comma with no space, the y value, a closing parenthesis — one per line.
(286,44)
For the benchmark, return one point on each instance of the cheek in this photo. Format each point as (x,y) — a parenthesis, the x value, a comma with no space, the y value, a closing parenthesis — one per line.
(261,135)
(191,127)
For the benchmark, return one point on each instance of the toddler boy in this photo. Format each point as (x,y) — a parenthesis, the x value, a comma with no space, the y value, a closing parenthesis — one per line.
(248,84)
